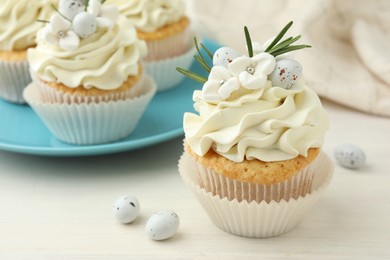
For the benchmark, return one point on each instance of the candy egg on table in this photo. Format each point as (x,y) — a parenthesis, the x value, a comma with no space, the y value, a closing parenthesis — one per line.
(70,8)
(287,73)
(84,24)
(162,225)
(126,209)
(223,56)
(350,156)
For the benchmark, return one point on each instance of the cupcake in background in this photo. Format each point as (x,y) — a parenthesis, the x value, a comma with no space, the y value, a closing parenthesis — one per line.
(252,154)
(18,27)
(165,27)
(89,86)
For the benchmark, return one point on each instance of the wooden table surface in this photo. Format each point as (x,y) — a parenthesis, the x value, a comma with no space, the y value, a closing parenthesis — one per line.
(61,208)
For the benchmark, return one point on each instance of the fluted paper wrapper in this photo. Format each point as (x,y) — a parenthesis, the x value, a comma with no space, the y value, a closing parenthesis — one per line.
(256,219)
(97,122)
(170,46)
(164,71)
(14,78)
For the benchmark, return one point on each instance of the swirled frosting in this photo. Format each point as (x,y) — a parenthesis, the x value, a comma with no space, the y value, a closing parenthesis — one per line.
(104,60)
(268,124)
(18,25)
(151,15)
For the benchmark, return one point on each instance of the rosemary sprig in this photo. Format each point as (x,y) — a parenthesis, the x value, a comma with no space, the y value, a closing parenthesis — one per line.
(203,63)
(86,2)
(289,49)
(207,51)
(192,75)
(248,42)
(42,21)
(285,43)
(279,36)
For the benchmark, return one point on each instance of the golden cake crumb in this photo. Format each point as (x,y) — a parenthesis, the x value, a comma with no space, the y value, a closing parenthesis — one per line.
(254,171)
(165,31)
(81,91)
(20,55)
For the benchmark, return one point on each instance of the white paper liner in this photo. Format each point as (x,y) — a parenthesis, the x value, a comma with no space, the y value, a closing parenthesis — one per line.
(258,220)
(14,77)
(91,123)
(51,95)
(164,71)
(217,184)
(170,46)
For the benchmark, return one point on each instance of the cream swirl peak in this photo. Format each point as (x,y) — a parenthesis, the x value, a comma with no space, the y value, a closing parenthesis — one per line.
(18,25)
(255,106)
(151,15)
(103,60)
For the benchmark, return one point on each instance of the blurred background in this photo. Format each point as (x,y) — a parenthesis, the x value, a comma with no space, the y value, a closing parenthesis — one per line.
(350,59)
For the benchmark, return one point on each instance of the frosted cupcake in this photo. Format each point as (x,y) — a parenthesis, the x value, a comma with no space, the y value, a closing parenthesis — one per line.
(252,154)
(89,86)
(17,33)
(166,29)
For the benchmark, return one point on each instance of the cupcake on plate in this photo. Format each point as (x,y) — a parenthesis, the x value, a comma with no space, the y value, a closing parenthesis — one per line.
(17,33)
(89,86)
(252,155)
(165,27)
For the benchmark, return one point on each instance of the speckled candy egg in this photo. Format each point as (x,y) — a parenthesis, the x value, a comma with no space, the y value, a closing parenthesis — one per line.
(286,74)
(126,209)
(223,56)
(350,156)
(70,8)
(84,24)
(162,225)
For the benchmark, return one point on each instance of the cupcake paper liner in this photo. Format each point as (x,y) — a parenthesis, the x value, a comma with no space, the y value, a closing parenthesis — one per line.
(14,78)
(91,123)
(164,71)
(51,95)
(254,219)
(217,184)
(170,46)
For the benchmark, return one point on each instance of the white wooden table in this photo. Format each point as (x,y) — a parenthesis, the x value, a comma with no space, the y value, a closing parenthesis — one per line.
(61,208)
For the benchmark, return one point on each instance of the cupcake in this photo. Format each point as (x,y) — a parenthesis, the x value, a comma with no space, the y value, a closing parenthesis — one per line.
(252,154)
(166,29)
(89,85)
(18,28)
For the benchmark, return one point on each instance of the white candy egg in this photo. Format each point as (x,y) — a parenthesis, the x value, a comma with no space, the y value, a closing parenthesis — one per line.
(286,74)
(70,8)
(223,56)
(126,209)
(162,225)
(350,156)
(84,24)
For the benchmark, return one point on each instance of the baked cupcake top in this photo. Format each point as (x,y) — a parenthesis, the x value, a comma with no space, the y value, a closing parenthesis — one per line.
(255,106)
(151,15)
(89,46)
(18,25)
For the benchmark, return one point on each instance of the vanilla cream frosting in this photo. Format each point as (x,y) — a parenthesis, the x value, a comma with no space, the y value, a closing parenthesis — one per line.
(18,22)
(151,15)
(268,124)
(104,60)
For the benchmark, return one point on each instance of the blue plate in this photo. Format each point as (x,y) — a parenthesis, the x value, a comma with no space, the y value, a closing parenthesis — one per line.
(22,131)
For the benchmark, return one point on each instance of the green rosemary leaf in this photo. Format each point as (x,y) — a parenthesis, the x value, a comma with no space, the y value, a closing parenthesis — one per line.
(55,9)
(103,1)
(42,21)
(248,42)
(192,75)
(202,63)
(86,2)
(207,51)
(289,49)
(279,36)
(285,44)
(197,48)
